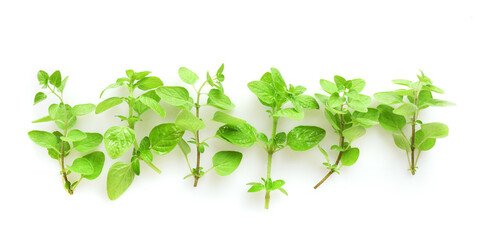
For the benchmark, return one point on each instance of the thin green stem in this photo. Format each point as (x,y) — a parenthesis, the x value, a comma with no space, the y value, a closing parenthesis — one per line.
(270,152)
(196,136)
(412,144)
(151,165)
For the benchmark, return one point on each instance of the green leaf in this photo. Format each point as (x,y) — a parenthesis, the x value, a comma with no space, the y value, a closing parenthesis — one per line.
(357,84)
(187,121)
(280,138)
(283,191)
(350,156)
(40,96)
(54,152)
(114,85)
(406,109)
(165,137)
(81,166)
(91,141)
(83,109)
(388,97)
(184,147)
(107,104)
(401,141)
(120,177)
(438,103)
(243,135)
(434,130)
(55,79)
(263,91)
(307,102)
(63,84)
(290,113)
(219,100)
(223,117)
(403,82)
(96,160)
(433,89)
(43,78)
(277,184)
(153,104)
(256,187)
(359,102)
(303,138)
(74,135)
(405,92)
(328,86)
(390,121)
(118,140)
(148,83)
(335,100)
(61,113)
(422,143)
(322,98)
(130,74)
(135,166)
(187,75)
(226,162)
(176,96)
(332,119)
(277,81)
(43,119)
(339,82)
(354,132)
(141,75)
(367,119)
(43,139)
(326,155)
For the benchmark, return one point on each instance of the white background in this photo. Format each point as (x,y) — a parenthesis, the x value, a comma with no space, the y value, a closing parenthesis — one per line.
(94,42)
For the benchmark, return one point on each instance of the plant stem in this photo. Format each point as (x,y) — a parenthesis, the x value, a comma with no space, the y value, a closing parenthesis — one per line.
(270,152)
(412,144)
(196,136)
(341,142)
(62,160)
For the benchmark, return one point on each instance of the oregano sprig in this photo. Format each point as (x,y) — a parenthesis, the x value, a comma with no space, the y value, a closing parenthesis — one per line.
(223,162)
(272,91)
(348,112)
(60,144)
(161,140)
(418,97)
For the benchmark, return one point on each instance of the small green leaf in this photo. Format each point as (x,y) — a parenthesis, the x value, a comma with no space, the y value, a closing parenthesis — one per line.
(350,156)
(176,96)
(422,143)
(165,137)
(74,135)
(433,89)
(54,152)
(283,191)
(219,100)
(43,139)
(107,104)
(243,135)
(187,121)
(153,104)
(389,120)
(335,100)
(148,83)
(280,138)
(357,84)
(339,82)
(434,130)
(83,109)
(43,119)
(354,132)
(263,91)
(367,119)
(96,160)
(135,166)
(114,85)
(256,187)
(388,97)
(326,155)
(438,103)
(187,75)
(303,138)
(120,177)
(91,141)
(81,166)
(223,117)
(307,102)
(401,141)
(184,147)
(55,79)
(43,78)
(277,81)
(118,140)
(277,184)
(403,82)
(226,162)
(40,96)
(406,109)
(359,102)
(290,113)
(332,119)
(328,86)
(63,84)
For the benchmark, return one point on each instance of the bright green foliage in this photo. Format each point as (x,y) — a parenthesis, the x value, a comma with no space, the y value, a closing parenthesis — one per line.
(272,91)
(224,163)
(60,144)
(347,111)
(118,140)
(417,96)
